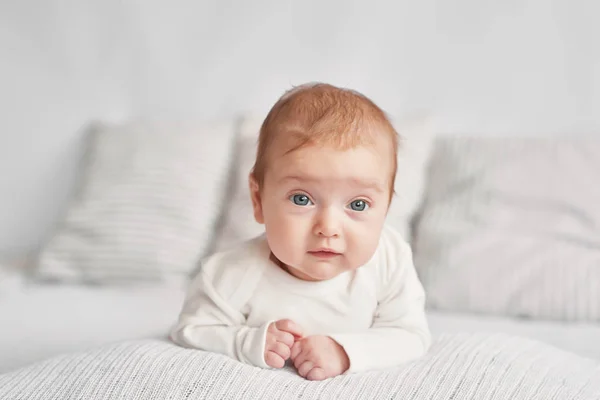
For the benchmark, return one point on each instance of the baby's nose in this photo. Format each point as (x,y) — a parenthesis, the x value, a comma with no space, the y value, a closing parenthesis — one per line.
(328,224)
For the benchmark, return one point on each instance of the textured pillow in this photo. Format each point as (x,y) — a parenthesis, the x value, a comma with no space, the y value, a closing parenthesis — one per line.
(512,226)
(147,206)
(462,366)
(416,144)
(238,223)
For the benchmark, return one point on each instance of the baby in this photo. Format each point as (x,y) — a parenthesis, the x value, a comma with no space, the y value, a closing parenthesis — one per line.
(328,286)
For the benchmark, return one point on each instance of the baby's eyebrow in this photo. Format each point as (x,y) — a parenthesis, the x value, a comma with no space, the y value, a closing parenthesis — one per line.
(369,184)
(373,184)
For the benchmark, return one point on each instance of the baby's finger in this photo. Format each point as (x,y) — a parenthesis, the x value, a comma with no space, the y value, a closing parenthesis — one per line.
(271,338)
(305,368)
(285,338)
(281,349)
(316,374)
(274,360)
(301,358)
(289,326)
(296,349)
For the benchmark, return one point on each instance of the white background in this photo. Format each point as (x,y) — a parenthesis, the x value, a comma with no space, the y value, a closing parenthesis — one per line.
(483,67)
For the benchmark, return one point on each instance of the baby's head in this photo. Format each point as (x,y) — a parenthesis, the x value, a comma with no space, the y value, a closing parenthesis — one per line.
(323,179)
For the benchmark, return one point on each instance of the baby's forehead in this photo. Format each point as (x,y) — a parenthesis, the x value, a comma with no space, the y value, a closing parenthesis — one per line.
(322,162)
(290,138)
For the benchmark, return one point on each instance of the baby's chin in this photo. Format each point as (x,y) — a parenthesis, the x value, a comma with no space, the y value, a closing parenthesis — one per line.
(318,273)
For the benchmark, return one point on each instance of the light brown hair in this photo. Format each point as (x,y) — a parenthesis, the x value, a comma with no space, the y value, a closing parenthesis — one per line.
(322,114)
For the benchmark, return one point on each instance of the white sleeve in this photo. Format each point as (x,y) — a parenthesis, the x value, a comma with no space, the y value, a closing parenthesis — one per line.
(399,332)
(209,321)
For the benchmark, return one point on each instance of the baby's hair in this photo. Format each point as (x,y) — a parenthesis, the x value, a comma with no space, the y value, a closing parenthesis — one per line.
(322,114)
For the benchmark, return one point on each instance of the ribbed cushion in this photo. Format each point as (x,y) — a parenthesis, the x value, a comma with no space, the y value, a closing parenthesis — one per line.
(460,366)
(512,226)
(151,193)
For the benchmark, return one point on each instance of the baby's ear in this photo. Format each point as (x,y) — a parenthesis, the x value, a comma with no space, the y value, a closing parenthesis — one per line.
(255,196)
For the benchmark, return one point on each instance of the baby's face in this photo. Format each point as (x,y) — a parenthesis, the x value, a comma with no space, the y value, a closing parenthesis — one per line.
(324,208)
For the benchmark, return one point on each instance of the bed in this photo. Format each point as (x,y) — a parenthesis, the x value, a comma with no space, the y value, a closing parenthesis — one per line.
(45,320)
(504,230)
(511,278)
(105,343)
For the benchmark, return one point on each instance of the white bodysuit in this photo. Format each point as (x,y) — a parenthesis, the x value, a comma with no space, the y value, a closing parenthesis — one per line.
(376,313)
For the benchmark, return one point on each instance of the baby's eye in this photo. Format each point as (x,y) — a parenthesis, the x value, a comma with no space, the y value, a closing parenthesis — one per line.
(300,200)
(359,205)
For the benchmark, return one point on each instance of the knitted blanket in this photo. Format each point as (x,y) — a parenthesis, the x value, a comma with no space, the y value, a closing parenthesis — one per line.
(463,366)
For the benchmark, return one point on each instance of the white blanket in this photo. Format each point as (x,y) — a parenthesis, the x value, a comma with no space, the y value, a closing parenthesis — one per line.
(458,366)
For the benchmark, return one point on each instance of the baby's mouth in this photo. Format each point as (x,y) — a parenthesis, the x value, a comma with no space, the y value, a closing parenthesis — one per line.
(324,253)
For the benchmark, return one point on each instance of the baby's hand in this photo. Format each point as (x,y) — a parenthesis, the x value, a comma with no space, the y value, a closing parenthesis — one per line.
(319,357)
(280,339)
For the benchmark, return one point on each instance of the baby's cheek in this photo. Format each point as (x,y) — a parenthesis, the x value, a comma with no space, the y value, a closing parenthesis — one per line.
(364,247)
(283,243)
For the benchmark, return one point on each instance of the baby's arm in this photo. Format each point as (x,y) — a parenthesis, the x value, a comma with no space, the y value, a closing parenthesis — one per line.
(399,332)
(210,322)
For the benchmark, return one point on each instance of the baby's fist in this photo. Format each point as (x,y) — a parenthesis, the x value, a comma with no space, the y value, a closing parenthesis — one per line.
(280,339)
(319,357)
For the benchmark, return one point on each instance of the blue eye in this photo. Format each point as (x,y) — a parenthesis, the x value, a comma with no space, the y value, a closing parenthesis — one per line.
(359,205)
(300,200)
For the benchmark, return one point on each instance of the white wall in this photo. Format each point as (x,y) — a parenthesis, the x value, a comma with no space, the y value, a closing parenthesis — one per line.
(489,67)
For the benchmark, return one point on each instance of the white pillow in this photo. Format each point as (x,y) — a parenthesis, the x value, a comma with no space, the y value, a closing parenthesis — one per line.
(237,223)
(512,227)
(417,138)
(151,194)
(416,144)
(459,366)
